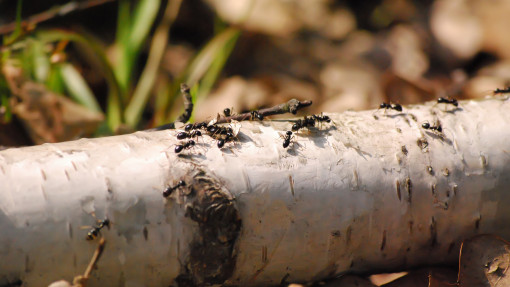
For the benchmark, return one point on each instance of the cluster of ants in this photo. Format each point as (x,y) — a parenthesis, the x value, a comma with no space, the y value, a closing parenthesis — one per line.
(427,126)
(306,122)
(222,134)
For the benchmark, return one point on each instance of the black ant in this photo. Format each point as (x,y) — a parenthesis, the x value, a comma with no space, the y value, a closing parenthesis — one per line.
(94,232)
(286,139)
(396,107)
(191,134)
(255,114)
(187,145)
(321,118)
(169,190)
(224,135)
(437,128)
(227,112)
(502,91)
(304,123)
(195,126)
(448,101)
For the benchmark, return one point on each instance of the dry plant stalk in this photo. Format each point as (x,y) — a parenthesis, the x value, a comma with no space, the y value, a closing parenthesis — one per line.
(371,191)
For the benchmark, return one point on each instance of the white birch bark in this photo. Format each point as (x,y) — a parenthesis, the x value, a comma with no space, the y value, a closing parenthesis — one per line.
(359,195)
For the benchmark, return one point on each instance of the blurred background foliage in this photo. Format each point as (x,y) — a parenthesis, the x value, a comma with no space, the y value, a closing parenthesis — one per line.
(71,69)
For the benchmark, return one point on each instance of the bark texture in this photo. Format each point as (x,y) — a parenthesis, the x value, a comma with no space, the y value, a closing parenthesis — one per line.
(371,191)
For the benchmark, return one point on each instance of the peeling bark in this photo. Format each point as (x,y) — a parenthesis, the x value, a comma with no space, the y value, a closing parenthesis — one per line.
(372,191)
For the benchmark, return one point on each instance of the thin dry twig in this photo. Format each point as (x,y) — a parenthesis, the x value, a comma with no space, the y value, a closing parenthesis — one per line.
(53,13)
(81,281)
(292,106)
(188,104)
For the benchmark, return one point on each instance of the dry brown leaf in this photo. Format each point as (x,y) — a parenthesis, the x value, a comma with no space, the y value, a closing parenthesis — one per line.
(484,261)
(48,117)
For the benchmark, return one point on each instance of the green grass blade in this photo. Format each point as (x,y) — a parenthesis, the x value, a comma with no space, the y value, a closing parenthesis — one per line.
(211,76)
(144,16)
(55,82)
(123,65)
(143,90)
(114,108)
(17,31)
(77,87)
(202,62)
(40,61)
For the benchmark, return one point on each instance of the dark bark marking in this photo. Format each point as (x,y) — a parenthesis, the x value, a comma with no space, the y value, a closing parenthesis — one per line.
(145,233)
(291,181)
(212,258)
(409,186)
(383,241)
(433,232)
(397,184)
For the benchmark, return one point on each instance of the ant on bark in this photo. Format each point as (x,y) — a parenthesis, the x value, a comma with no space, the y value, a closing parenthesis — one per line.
(94,232)
(169,190)
(396,107)
(448,101)
(187,145)
(428,126)
(287,138)
(191,134)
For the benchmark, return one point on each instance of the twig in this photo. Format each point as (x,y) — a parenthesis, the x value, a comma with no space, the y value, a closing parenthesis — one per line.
(188,104)
(184,117)
(82,280)
(52,13)
(292,106)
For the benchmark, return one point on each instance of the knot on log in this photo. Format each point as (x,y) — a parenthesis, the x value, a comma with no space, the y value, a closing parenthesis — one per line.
(212,258)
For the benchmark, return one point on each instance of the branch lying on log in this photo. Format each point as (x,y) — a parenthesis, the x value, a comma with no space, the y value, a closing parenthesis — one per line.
(371,191)
(292,106)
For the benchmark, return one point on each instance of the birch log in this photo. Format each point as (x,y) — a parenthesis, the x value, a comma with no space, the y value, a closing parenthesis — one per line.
(372,191)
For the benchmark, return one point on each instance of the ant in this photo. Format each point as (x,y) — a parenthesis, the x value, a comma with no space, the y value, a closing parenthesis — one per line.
(321,118)
(225,135)
(228,112)
(187,145)
(304,123)
(191,134)
(94,232)
(437,128)
(448,101)
(255,114)
(169,190)
(195,126)
(396,107)
(286,139)
(502,91)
